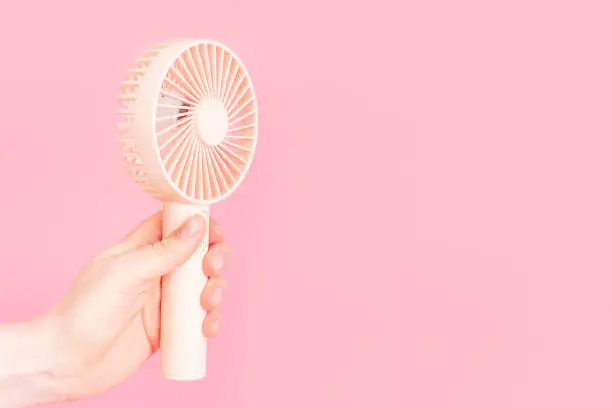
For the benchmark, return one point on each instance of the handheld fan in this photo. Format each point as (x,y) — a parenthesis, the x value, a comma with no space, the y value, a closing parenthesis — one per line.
(188,122)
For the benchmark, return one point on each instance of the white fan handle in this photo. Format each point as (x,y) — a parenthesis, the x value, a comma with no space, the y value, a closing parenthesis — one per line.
(182,343)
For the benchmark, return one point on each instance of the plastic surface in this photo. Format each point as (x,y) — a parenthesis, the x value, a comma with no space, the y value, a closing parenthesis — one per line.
(183,346)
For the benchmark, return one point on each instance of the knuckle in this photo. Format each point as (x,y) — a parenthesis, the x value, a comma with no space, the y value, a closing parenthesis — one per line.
(160,249)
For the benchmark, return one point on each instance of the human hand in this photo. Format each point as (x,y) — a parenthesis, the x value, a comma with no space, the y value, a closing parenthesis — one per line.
(108,324)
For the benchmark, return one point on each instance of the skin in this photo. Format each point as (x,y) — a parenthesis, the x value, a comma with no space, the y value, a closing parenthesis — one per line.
(107,324)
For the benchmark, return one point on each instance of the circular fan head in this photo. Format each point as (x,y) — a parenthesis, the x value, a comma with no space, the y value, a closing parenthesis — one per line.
(189,121)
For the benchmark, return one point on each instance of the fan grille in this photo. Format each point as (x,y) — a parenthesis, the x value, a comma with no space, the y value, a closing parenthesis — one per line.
(206,122)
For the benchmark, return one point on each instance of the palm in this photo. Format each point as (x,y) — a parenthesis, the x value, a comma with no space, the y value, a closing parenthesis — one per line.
(117,360)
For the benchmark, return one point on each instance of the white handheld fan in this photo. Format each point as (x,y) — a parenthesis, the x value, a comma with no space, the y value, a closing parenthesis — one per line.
(188,122)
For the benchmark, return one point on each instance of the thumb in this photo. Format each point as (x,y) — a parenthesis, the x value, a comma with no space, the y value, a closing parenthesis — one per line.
(161,257)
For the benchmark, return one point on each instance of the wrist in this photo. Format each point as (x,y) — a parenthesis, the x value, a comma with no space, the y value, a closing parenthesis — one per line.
(28,364)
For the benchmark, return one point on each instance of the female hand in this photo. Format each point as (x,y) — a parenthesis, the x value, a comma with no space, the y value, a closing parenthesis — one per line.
(108,323)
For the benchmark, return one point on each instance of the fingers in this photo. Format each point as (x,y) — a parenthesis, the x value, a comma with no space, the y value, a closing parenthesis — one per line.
(151,315)
(212,324)
(150,231)
(146,233)
(161,257)
(216,258)
(213,293)
(215,235)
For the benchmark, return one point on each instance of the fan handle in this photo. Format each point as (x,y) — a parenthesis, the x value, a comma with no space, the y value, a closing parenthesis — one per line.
(182,343)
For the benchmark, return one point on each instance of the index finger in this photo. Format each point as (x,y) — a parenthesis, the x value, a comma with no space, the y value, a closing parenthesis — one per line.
(215,235)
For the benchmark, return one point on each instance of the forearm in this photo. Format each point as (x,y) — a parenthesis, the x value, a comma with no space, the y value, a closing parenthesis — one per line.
(26,365)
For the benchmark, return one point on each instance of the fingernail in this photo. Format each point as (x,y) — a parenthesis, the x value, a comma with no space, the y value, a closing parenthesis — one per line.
(216,297)
(217,262)
(215,325)
(193,226)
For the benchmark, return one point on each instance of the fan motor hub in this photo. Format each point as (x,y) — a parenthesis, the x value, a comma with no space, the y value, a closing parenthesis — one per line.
(212,122)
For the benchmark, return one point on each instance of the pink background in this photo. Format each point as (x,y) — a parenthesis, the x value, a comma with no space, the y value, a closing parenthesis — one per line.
(427,222)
